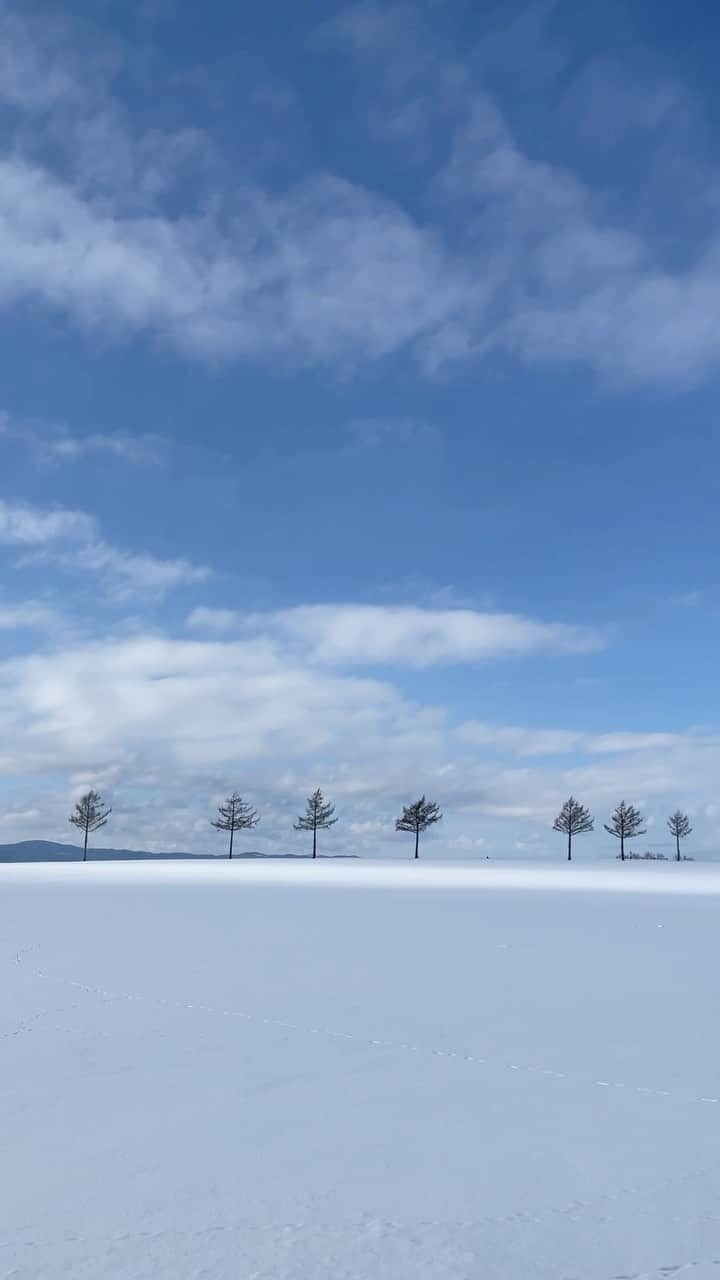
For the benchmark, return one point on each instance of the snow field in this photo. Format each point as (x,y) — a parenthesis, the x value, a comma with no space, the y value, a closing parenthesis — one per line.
(288,1072)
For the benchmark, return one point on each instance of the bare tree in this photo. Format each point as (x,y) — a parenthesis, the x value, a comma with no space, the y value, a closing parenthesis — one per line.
(679,827)
(625,823)
(318,816)
(89,814)
(573,819)
(235,815)
(418,817)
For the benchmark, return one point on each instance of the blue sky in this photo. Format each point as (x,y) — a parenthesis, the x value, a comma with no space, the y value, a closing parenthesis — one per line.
(358,416)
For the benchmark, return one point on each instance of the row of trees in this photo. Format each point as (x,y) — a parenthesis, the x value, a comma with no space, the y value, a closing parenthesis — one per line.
(625,822)
(90,814)
(237,815)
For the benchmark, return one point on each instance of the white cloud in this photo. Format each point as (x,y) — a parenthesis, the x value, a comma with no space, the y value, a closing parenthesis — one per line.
(408,636)
(213,620)
(330,270)
(401,635)
(554,742)
(191,703)
(563,280)
(72,539)
(66,447)
(271,700)
(359,634)
(29,614)
(134,571)
(54,442)
(24,525)
(167,724)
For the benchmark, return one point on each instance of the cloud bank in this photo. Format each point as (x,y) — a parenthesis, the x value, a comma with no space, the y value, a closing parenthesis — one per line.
(509,253)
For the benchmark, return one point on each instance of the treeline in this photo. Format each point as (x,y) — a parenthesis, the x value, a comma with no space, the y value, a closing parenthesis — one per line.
(626,822)
(90,814)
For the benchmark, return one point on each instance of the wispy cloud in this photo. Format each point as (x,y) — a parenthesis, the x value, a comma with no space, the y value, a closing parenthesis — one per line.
(142,449)
(368,635)
(379,433)
(417,84)
(566,742)
(28,615)
(24,525)
(409,636)
(35,70)
(332,269)
(689,599)
(561,279)
(329,270)
(132,571)
(72,539)
(52,442)
(213,620)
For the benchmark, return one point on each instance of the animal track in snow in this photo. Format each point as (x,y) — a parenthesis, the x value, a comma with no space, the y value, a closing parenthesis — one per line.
(371,1042)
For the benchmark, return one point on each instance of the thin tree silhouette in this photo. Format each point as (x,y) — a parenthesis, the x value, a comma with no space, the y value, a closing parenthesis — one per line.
(679,826)
(89,814)
(418,817)
(234,815)
(625,823)
(318,816)
(573,819)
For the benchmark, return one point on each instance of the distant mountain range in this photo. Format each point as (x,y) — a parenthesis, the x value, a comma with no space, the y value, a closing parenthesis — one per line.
(51,851)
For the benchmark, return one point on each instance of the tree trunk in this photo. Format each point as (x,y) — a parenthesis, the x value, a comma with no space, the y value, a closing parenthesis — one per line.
(622,848)
(232,833)
(314,842)
(87,825)
(569,846)
(417,841)
(677,838)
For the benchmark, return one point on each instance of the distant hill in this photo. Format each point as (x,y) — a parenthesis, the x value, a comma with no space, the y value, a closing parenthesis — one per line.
(51,851)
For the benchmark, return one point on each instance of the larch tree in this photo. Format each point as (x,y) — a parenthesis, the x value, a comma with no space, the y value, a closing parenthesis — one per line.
(625,823)
(418,817)
(572,820)
(89,814)
(679,827)
(234,815)
(318,816)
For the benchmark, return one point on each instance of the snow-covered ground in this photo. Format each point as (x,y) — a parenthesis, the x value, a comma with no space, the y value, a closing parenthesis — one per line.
(244,1072)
